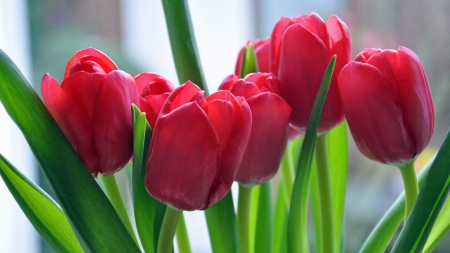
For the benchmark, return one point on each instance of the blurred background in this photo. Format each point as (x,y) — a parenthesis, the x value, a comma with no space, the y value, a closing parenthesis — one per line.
(40,36)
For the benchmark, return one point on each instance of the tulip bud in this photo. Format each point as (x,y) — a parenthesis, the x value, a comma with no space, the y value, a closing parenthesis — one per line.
(262,52)
(93,108)
(197,146)
(153,90)
(388,104)
(301,49)
(270,119)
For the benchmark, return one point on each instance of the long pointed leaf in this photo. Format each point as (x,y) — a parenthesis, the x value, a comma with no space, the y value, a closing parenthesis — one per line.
(91,215)
(297,236)
(440,229)
(431,198)
(148,212)
(45,215)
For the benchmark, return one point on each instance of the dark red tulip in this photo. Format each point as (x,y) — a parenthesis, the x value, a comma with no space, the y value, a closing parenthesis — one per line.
(93,108)
(270,119)
(388,104)
(262,52)
(153,90)
(197,146)
(301,49)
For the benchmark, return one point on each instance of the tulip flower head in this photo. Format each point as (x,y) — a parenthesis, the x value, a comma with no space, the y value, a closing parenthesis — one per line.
(301,49)
(262,52)
(153,90)
(197,145)
(270,120)
(388,104)
(93,108)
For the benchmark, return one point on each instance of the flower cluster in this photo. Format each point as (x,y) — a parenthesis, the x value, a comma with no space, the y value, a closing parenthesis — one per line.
(201,144)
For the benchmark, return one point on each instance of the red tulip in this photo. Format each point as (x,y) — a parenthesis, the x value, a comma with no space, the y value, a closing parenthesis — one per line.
(388,104)
(262,52)
(301,49)
(93,108)
(153,90)
(270,119)
(197,146)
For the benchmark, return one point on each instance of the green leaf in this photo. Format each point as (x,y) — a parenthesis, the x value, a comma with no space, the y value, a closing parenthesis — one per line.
(91,215)
(148,212)
(297,234)
(382,234)
(440,229)
(264,222)
(249,61)
(338,157)
(182,41)
(45,215)
(222,226)
(431,198)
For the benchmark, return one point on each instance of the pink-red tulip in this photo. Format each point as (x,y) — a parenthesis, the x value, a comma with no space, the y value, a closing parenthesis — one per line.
(197,146)
(93,108)
(388,104)
(153,90)
(262,52)
(301,49)
(270,119)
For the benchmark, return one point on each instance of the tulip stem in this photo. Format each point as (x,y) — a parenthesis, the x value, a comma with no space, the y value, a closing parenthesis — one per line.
(182,236)
(243,214)
(114,196)
(168,228)
(411,186)
(287,172)
(325,195)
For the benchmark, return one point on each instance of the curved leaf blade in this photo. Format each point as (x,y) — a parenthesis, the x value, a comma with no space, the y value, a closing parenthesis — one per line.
(45,215)
(148,212)
(297,235)
(91,215)
(440,229)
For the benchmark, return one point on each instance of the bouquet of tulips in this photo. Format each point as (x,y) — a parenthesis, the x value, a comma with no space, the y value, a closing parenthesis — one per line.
(287,105)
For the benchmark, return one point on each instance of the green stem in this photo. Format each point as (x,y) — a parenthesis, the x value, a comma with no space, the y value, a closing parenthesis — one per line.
(114,196)
(182,236)
(325,193)
(169,225)
(287,172)
(243,214)
(264,222)
(411,186)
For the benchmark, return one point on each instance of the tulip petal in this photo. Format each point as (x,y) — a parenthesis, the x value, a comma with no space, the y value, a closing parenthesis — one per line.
(152,105)
(158,84)
(262,51)
(180,96)
(234,151)
(374,117)
(275,42)
(341,43)
(414,95)
(300,78)
(90,54)
(183,158)
(82,87)
(74,122)
(268,138)
(112,121)
(386,63)
(315,24)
